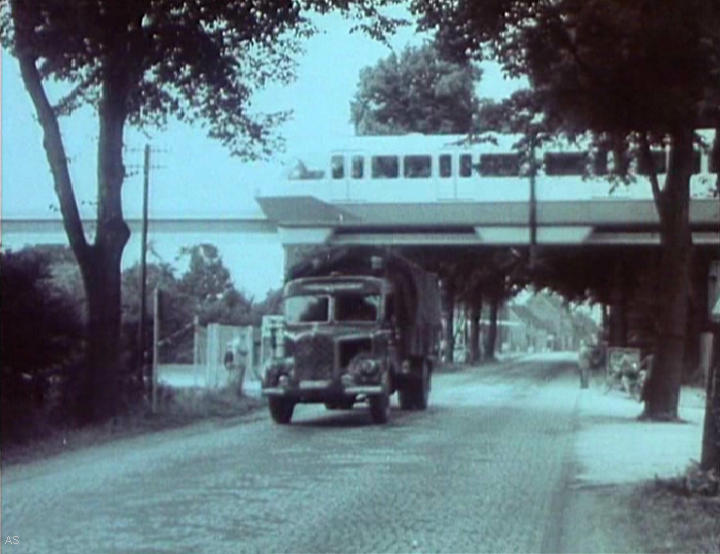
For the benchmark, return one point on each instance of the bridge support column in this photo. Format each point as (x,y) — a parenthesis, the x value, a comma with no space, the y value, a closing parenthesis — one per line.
(618,306)
(447,291)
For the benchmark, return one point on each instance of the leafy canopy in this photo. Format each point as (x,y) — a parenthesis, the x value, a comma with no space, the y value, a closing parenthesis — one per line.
(196,60)
(415,92)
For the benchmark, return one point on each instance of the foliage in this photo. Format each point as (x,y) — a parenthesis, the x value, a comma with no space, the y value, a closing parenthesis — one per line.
(415,92)
(633,73)
(142,62)
(41,337)
(208,283)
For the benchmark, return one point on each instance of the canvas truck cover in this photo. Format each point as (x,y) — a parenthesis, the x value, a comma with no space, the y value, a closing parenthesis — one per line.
(417,296)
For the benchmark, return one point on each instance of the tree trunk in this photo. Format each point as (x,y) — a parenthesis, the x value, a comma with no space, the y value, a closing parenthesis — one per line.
(663,387)
(448,315)
(710,457)
(474,338)
(491,336)
(101,268)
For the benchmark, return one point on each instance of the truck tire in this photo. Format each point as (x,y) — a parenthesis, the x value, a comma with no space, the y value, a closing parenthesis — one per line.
(406,398)
(380,408)
(422,388)
(281,410)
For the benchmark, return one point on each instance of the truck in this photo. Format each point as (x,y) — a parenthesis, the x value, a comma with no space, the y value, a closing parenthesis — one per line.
(360,323)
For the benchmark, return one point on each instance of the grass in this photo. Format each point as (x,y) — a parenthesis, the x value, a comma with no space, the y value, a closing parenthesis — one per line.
(176,408)
(674,520)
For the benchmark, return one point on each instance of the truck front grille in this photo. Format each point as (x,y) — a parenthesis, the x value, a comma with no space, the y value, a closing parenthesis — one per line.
(314,357)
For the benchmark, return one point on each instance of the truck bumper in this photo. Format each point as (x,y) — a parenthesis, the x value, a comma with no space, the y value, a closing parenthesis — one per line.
(320,390)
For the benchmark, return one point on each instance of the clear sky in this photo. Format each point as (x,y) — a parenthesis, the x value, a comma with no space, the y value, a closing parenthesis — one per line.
(193,175)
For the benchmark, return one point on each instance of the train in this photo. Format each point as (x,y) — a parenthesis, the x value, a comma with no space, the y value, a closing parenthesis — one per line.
(456,168)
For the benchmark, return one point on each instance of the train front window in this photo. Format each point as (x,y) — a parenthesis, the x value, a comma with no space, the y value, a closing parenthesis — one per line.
(445,163)
(306,309)
(385,167)
(417,166)
(465,165)
(338,167)
(358,167)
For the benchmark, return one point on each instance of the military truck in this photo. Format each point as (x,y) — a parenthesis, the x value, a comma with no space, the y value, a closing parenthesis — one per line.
(360,324)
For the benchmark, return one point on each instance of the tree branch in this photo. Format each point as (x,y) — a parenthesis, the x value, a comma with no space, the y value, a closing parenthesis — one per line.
(55,151)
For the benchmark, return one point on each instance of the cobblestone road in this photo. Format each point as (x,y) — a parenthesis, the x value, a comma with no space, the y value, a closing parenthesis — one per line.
(484,469)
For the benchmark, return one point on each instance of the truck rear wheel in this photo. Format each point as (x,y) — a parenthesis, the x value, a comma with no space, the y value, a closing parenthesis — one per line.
(281,410)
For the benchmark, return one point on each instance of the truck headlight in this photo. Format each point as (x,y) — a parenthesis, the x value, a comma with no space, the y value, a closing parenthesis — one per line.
(365,366)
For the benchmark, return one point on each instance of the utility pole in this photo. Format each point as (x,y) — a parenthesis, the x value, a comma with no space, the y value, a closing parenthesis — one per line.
(143,265)
(156,348)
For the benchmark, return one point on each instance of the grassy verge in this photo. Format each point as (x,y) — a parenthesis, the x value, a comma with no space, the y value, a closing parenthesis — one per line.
(176,408)
(673,520)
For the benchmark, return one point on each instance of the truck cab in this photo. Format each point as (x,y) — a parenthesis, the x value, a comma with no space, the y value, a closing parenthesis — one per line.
(349,338)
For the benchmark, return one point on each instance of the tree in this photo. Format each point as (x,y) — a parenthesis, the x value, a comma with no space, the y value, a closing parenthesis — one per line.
(140,62)
(209,288)
(415,92)
(633,72)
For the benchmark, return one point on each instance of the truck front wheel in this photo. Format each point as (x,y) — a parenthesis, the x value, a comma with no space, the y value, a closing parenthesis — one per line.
(414,395)
(281,410)
(380,408)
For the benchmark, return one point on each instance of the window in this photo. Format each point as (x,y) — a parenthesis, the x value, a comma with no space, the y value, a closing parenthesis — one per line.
(445,162)
(659,163)
(385,167)
(417,166)
(465,165)
(358,167)
(600,162)
(356,307)
(565,163)
(304,309)
(500,165)
(338,167)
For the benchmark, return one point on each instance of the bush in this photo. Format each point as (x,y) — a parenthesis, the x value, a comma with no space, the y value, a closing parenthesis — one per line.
(41,338)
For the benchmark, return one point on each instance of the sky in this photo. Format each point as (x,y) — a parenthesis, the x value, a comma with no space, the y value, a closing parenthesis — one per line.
(191,174)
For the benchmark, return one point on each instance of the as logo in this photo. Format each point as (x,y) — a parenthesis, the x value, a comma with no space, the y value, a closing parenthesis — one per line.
(12,540)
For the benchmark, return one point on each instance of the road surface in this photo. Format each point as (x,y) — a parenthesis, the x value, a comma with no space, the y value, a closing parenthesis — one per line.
(485,469)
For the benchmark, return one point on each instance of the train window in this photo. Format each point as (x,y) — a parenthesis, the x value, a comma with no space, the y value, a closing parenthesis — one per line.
(445,163)
(714,158)
(417,166)
(659,163)
(565,163)
(385,167)
(358,167)
(500,165)
(465,165)
(600,162)
(338,167)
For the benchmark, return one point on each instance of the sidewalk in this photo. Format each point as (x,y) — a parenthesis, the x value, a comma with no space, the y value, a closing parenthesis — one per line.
(612,447)
(614,453)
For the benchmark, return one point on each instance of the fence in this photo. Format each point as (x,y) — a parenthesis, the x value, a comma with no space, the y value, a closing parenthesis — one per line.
(217,352)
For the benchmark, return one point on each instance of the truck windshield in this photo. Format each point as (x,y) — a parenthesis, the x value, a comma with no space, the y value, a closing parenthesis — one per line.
(357,307)
(305,309)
